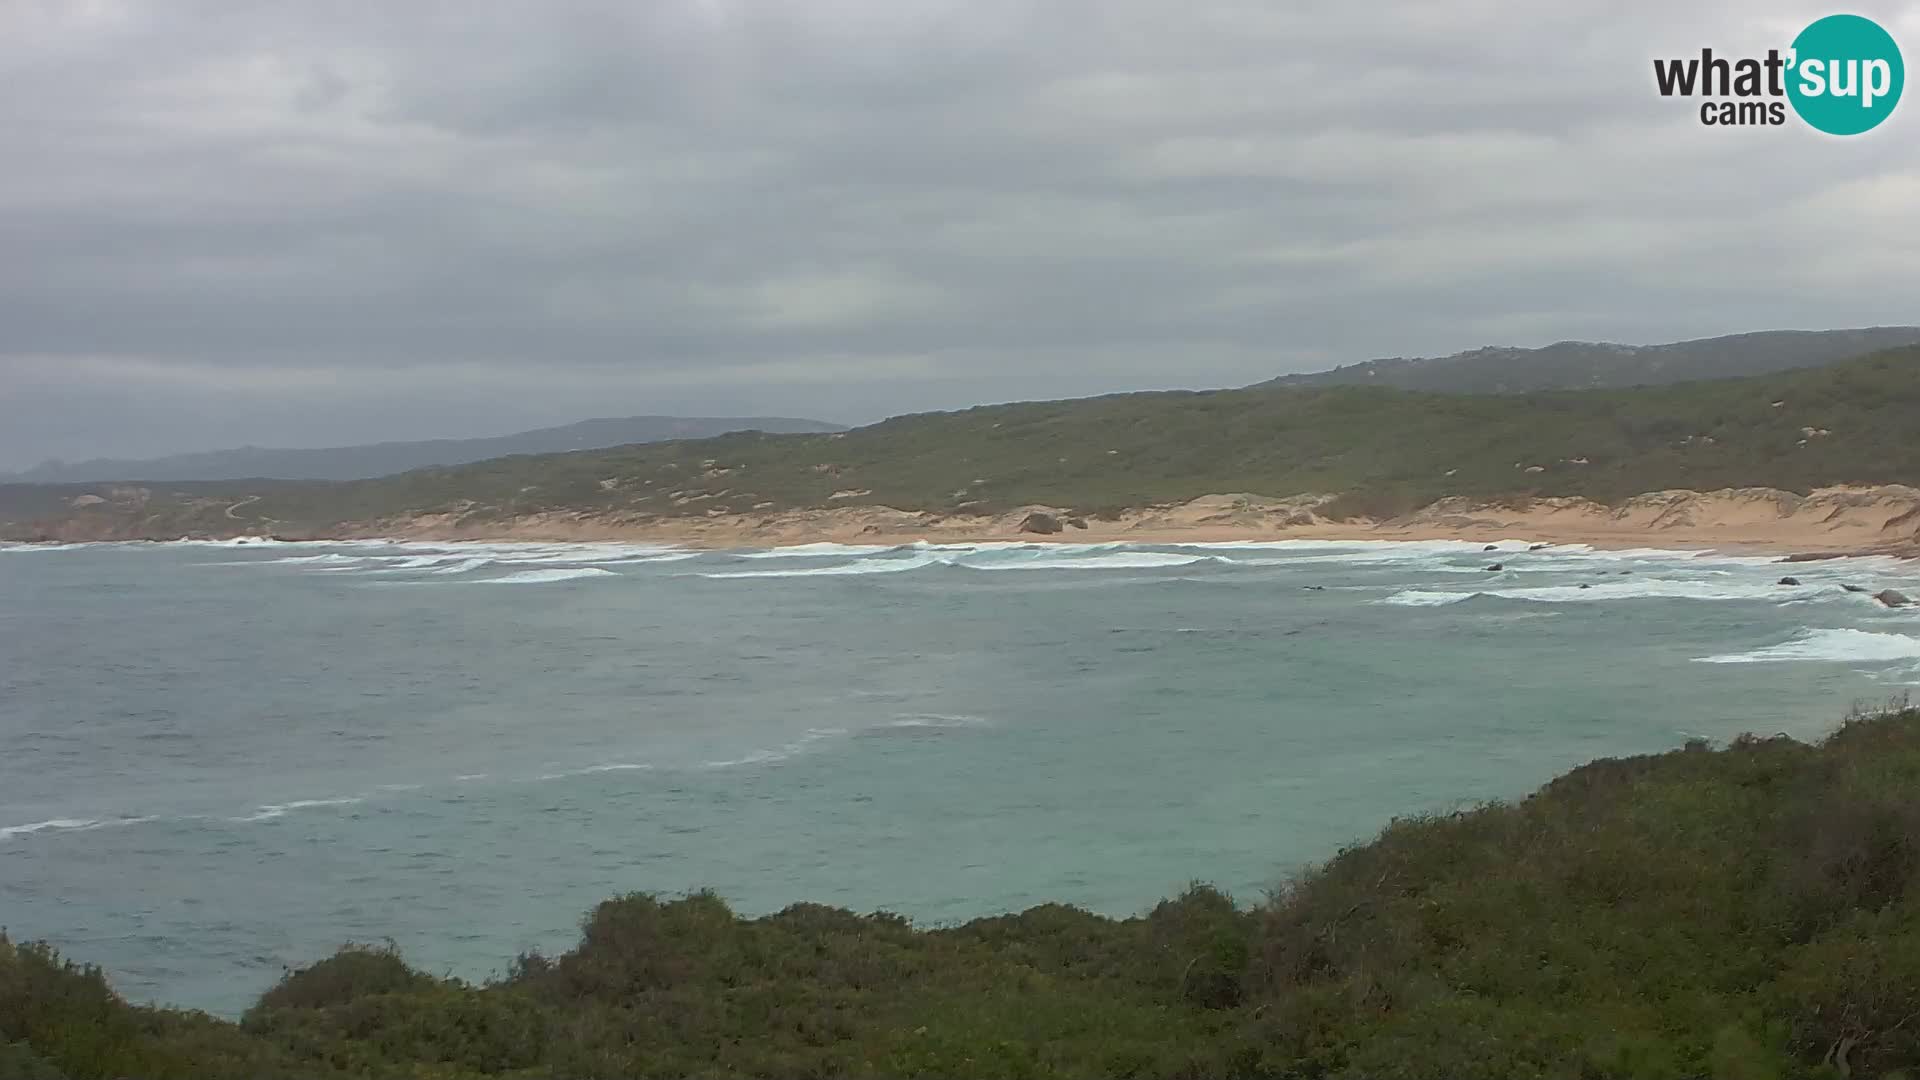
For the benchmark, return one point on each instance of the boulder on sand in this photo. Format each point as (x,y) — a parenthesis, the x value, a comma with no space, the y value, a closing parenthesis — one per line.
(1893,598)
(1037,522)
(1076,523)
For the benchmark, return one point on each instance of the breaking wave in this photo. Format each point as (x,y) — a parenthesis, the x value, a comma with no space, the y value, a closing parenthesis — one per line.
(1844,646)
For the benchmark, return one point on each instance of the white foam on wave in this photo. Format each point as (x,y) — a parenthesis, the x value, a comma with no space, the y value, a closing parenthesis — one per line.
(868,566)
(811,551)
(813,737)
(1425,598)
(1116,560)
(937,720)
(277,810)
(462,567)
(1007,557)
(297,560)
(8,832)
(1639,588)
(1845,646)
(675,556)
(536,577)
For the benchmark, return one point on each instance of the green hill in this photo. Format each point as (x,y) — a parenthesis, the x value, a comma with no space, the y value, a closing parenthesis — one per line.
(1747,912)
(1388,450)
(383,459)
(1584,365)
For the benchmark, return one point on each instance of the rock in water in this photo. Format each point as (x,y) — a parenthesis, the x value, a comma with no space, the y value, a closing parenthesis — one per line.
(1893,598)
(1854,588)
(1038,522)
(1537,547)
(1491,547)
(1789,581)
(1497,566)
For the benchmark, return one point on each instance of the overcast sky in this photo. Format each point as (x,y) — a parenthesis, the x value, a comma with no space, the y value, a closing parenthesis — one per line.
(318,223)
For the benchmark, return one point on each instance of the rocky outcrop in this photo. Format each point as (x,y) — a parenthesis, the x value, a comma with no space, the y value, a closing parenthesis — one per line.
(1042,523)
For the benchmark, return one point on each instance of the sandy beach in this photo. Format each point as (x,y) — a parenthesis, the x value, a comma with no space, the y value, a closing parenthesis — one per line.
(1831,521)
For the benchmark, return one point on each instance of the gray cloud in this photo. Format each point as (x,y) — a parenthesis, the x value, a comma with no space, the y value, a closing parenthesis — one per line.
(291,223)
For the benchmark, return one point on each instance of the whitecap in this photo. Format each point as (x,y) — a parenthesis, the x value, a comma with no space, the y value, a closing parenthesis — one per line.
(809,551)
(936,721)
(1845,646)
(10,831)
(1115,560)
(866,566)
(782,753)
(535,577)
(1639,588)
(275,810)
(1425,598)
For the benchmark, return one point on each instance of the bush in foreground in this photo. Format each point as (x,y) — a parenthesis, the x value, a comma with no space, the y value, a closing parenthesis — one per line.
(1744,913)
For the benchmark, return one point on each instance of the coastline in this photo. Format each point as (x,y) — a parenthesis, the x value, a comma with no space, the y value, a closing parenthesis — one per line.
(1829,522)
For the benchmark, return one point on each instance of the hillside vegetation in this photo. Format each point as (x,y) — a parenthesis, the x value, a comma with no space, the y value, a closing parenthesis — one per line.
(1388,451)
(1747,912)
(1583,365)
(386,458)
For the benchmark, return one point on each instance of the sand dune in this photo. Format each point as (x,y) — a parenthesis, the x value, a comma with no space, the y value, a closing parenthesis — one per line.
(1829,520)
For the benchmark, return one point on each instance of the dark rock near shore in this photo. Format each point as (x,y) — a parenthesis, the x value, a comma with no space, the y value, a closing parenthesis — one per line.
(1788,581)
(1037,522)
(1536,547)
(1497,566)
(1893,598)
(1854,588)
(1491,547)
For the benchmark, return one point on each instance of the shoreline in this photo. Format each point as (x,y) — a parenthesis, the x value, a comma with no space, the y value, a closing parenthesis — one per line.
(1826,523)
(1830,522)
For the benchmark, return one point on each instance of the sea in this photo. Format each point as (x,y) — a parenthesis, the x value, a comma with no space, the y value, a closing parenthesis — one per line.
(222,760)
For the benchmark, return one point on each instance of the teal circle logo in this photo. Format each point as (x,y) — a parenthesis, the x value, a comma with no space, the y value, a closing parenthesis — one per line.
(1846,74)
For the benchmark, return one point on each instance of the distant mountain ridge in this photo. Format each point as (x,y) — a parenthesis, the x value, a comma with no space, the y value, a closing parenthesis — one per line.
(1587,365)
(387,458)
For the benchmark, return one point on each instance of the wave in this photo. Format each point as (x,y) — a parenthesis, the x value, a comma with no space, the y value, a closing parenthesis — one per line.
(869,566)
(1010,557)
(674,556)
(799,746)
(1854,646)
(1636,589)
(1118,560)
(535,577)
(275,810)
(810,551)
(8,832)
(935,721)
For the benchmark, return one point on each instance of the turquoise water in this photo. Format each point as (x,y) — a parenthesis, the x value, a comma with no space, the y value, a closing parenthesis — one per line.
(217,761)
